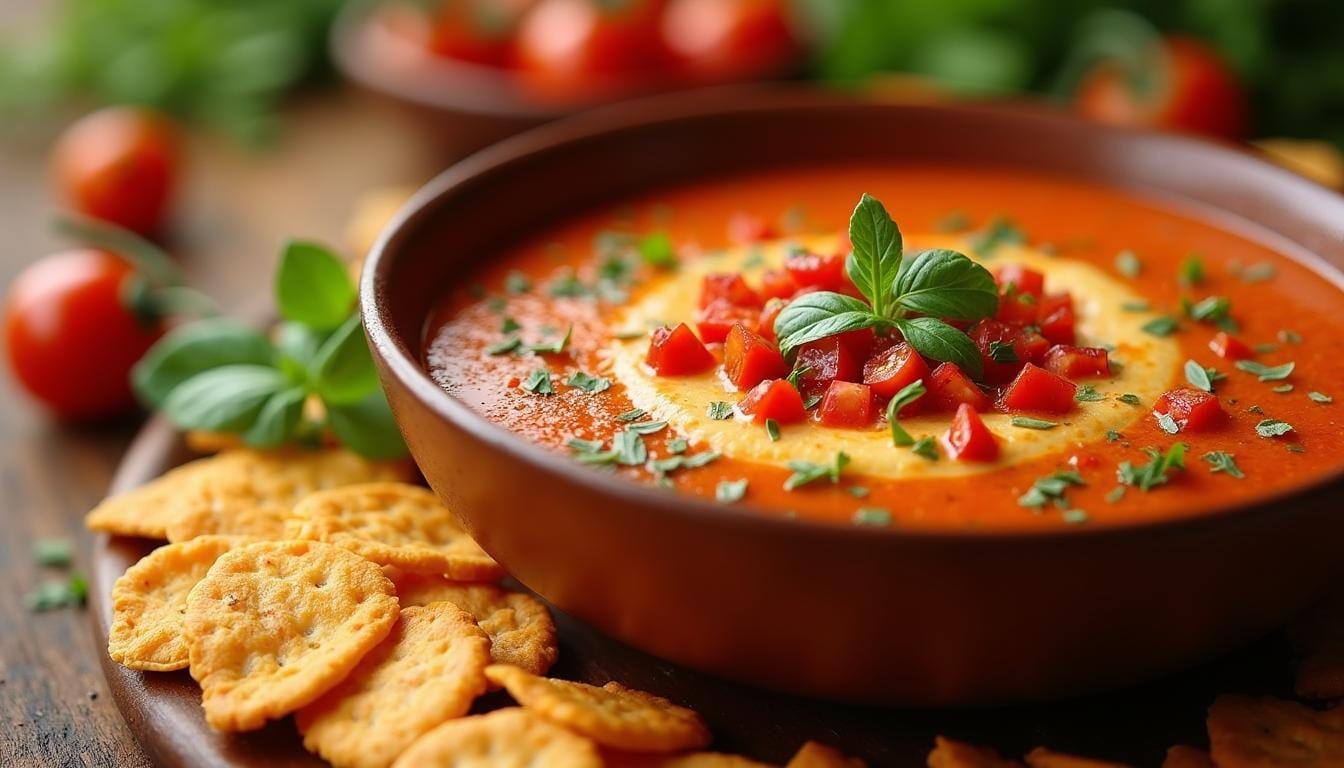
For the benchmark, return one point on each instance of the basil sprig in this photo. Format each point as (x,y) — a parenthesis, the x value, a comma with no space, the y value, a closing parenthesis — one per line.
(223,376)
(936,284)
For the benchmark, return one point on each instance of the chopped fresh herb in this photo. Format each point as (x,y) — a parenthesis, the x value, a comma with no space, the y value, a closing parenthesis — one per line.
(1088,394)
(677,445)
(1001,231)
(1320,397)
(875,516)
(907,395)
(1112,436)
(926,447)
(811,402)
(53,553)
(857,491)
(508,325)
(538,382)
(729,491)
(755,258)
(1027,422)
(1160,326)
(1296,448)
(53,594)
(1127,263)
(1115,494)
(1129,398)
(1198,376)
(627,335)
(588,383)
(1002,352)
(632,414)
(684,462)
(517,282)
(656,250)
(567,286)
(1289,337)
(1255,409)
(1266,372)
(1266,348)
(1221,461)
(1273,428)
(552,347)
(720,410)
(805,472)
(1192,270)
(496,303)
(1283,389)
(800,369)
(579,445)
(647,427)
(772,430)
(504,347)
(956,221)
(1136,306)
(1074,516)
(1050,488)
(1156,472)
(1258,273)
(629,448)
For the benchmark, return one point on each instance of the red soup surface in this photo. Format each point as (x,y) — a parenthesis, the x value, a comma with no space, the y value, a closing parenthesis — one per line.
(1099,358)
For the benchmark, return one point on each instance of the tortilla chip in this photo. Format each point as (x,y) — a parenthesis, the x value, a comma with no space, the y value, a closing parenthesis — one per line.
(1246,732)
(955,754)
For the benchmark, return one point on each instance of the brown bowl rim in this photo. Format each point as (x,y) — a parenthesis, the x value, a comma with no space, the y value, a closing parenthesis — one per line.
(672,107)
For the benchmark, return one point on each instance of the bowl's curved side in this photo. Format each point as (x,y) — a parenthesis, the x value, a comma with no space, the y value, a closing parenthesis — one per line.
(831,611)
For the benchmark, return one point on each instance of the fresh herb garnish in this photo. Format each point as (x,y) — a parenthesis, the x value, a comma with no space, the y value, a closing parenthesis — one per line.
(937,284)
(1266,372)
(720,410)
(628,445)
(1112,436)
(1154,473)
(1320,397)
(627,335)
(52,594)
(1221,461)
(879,517)
(1167,424)
(1088,394)
(647,427)
(588,383)
(509,325)
(538,382)
(1255,409)
(1160,326)
(812,401)
(907,395)
(1127,263)
(772,430)
(554,347)
(656,250)
(1114,495)
(567,286)
(1192,270)
(685,462)
(579,445)
(517,282)
(955,221)
(632,414)
(1000,231)
(1074,516)
(926,447)
(1296,448)
(1198,376)
(1002,352)
(1258,273)
(1050,488)
(677,445)
(795,377)
(1129,398)
(858,491)
(1136,306)
(1215,310)
(1289,337)
(1026,422)
(1283,389)
(805,472)
(729,491)
(1272,428)
(52,553)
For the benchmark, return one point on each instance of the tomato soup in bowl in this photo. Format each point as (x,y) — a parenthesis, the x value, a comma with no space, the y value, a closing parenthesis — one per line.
(919,405)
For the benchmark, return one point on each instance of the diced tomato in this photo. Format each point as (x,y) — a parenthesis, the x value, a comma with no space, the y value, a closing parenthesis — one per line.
(992,336)
(1017,280)
(1193,410)
(777,284)
(1077,362)
(714,320)
(1056,318)
(1018,308)
(968,439)
(1036,389)
(827,359)
(747,228)
(848,405)
(859,342)
(949,388)
(766,327)
(893,369)
(730,287)
(1230,347)
(677,352)
(815,270)
(749,359)
(773,399)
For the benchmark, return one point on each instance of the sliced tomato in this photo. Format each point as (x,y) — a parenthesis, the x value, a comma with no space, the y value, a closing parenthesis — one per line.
(677,352)
(748,228)
(1056,317)
(1077,362)
(749,359)
(766,326)
(773,399)
(1018,308)
(968,439)
(777,283)
(1230,347)
(1193,410)
(827,360)
(894,369)
(815,270)
(949,387)
(1017,280)
(729,287)
(847,404)
(714,321)
(1036,389)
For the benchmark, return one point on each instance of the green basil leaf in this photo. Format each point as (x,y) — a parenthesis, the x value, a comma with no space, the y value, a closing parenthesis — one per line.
(277,419)
(367,427)
(342,371)
(820,314)
(943,283)
(223,399)
(194,348)
(313,287)
(876,258)
(935,339)
(298,345)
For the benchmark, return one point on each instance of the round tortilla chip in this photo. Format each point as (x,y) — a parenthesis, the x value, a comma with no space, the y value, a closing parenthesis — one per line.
(955,754)
(816,755)
(276,624)
(613,715)
(149,603)
(428,670)
(520,627)
(395,524)
(506,738)
(615,759)
(1246,732)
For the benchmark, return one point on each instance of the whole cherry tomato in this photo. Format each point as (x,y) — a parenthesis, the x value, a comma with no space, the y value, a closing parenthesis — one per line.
(572,50)
(70,336)
(120,165)
(478,31)
(718,40)
(1185,87)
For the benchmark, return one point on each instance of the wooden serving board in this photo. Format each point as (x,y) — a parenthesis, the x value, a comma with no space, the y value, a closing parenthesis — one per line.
(1134,725)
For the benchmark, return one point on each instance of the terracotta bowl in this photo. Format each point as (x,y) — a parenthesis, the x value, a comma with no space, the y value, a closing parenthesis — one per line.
(847,613)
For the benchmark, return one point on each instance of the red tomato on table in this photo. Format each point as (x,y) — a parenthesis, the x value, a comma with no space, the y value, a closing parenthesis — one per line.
(572,50)
(719,40)
(118,165)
